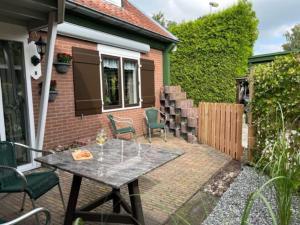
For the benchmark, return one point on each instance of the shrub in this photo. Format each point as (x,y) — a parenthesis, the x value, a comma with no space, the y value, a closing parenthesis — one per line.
(213,51)
(276,82)
(282,164)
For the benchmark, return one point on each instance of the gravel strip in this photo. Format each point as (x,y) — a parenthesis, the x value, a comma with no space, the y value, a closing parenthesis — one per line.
(230,208)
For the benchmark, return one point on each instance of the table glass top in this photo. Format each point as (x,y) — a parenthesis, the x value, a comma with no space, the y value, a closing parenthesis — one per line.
(116,163)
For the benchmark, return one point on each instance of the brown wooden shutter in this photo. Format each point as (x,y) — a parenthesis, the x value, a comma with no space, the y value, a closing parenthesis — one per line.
(86,75)
(147,83)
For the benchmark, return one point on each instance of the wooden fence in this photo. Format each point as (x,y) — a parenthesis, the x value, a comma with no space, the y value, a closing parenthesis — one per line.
(220,126)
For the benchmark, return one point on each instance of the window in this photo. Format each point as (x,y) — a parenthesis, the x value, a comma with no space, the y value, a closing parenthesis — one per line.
(130,79)
(120,82)
(111,82)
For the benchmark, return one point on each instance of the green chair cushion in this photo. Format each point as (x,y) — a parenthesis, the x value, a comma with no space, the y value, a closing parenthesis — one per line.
(2,221)
(156,125)
(125,130)
(38,184)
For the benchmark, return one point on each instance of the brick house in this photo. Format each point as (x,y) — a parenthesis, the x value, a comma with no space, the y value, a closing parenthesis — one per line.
(120,63)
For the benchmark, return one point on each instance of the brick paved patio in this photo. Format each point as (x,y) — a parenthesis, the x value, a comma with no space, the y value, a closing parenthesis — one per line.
(162,191)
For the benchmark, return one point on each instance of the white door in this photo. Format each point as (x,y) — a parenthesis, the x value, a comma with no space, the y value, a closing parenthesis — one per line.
(13,106)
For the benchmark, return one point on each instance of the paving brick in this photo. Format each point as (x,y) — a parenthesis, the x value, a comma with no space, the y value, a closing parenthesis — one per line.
(163,190)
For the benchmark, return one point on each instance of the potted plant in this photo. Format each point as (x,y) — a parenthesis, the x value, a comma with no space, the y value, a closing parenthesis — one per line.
(53,92)
(63,63)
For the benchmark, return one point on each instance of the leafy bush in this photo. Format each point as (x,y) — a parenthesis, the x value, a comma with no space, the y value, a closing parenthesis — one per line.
(213,51)
(276,82)
(282,164)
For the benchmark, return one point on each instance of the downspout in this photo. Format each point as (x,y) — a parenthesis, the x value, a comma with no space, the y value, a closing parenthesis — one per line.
(166,64)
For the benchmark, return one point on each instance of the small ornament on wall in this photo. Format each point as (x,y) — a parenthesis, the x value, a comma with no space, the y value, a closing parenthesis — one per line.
(52,92)
(35,66)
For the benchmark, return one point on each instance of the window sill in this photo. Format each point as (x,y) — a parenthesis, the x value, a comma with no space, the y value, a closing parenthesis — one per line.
(121,109)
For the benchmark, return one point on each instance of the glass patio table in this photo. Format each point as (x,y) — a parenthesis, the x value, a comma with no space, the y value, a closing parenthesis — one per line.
(115,164)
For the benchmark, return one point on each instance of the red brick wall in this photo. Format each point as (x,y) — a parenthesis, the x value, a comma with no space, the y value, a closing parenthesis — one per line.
(62,127)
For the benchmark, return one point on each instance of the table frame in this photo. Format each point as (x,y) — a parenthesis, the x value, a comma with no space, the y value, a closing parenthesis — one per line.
(134,212)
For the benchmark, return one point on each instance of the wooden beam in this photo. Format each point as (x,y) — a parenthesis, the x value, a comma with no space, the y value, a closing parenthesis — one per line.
(17,21)
(11,9)
(47,4)
(52,33)
(60,11)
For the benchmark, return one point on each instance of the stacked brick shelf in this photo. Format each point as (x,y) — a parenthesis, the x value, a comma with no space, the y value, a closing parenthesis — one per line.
(180,114)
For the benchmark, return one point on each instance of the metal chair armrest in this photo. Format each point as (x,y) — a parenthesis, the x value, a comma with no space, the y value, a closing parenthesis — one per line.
(19,173)
(29,214)
(48,152)
(33,149)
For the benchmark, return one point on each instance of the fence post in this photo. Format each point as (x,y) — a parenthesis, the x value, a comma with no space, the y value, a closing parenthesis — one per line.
(251,127)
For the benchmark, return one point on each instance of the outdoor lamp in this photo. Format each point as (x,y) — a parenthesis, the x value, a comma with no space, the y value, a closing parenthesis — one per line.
(41,47)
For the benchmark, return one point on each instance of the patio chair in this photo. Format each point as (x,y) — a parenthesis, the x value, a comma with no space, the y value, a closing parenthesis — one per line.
(34,184)
(152,123)
(34,212)
(124,130)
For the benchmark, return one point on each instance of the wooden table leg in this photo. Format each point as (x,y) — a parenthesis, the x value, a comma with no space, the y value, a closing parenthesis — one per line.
(116,201)
(136,203)
(69,217)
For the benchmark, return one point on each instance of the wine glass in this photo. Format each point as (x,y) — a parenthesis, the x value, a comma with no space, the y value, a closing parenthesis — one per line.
(101,137)
(100,140)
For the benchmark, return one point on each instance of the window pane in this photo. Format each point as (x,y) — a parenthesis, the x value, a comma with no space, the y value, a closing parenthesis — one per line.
(111,83)
(130,83)
(13,96)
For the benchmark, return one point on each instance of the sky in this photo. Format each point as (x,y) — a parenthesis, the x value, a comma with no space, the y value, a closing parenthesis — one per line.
(275,16)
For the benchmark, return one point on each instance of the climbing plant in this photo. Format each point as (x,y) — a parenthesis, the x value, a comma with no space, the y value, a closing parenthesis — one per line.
(213,51)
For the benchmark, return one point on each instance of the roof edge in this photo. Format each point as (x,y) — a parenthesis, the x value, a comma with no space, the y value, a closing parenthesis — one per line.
(268,57)
(78,8)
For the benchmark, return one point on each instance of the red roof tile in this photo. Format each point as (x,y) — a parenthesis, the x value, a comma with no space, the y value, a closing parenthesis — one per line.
(128,13)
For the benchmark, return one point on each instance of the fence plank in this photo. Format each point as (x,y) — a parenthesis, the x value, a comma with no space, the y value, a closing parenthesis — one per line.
(206,123)
(233,131)
(217,132)
(199,122)
(239,124)
(213,125)
(209,123)
(220,126)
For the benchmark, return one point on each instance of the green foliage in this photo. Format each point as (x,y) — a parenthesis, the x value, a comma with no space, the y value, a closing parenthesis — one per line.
(292,38)
(276,83)
(281,162)
(161,19)
(213,51)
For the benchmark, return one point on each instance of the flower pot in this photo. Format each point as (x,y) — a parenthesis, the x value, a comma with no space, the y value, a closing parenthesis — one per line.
(61,67)
(52,95)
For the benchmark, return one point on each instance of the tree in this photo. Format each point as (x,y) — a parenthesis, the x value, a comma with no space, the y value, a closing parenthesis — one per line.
(161,19)
(292,38)
(213,51)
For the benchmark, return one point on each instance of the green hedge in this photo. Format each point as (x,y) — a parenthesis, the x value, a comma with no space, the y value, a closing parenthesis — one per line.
(213,51)
(276,85)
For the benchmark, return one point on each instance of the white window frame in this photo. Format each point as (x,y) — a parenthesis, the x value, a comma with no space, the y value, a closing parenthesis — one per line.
(122,54)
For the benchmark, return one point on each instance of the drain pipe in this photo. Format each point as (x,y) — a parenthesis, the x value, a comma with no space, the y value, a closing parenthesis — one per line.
(166,64)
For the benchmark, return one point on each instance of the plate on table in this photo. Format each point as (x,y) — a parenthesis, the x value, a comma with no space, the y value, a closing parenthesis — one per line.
(82,155)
